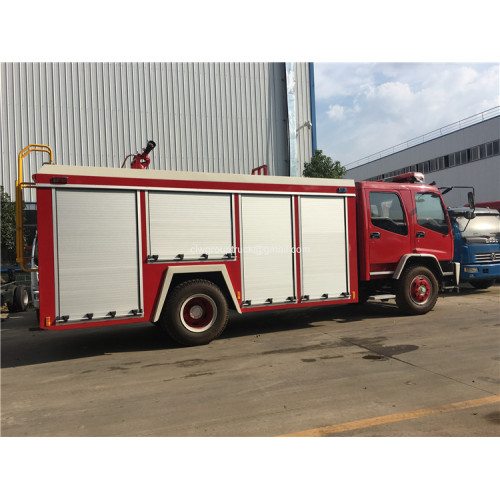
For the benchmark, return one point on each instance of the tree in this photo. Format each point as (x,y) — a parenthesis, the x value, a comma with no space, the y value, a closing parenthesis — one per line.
(323,166)
(8,228)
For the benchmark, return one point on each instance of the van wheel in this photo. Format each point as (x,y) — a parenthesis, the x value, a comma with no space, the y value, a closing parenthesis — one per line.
(417,290)
(195,313)
(482,284)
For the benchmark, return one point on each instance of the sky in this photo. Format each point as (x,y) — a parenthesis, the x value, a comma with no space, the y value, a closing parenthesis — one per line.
(364,108)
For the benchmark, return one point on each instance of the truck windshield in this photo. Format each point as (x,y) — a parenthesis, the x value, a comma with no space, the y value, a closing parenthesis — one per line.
(430,212)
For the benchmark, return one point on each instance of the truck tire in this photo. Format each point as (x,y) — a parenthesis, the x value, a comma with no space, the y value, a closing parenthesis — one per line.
(9,298)
(417,290)
(195,313)
(21,298)
(482,284)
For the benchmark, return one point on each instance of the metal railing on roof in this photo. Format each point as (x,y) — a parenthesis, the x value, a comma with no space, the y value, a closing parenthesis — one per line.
(448,129)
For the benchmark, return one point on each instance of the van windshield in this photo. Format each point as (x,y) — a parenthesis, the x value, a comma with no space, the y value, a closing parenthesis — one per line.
(484,224)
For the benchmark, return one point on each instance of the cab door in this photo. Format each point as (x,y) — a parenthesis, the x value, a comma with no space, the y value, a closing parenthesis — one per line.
(432,230)
(388,234)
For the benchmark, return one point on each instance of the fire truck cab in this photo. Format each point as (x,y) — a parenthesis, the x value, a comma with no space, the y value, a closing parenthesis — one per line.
(405,243)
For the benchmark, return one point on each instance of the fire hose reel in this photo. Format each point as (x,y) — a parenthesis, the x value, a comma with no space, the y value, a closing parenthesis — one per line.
(142,160)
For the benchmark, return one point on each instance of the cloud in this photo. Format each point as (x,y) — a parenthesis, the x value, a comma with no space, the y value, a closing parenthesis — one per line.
(391,98)
(340,79)
(365,108)
(336,112)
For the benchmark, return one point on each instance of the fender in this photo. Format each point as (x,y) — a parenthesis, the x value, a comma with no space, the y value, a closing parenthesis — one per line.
(404,259)
(171,271)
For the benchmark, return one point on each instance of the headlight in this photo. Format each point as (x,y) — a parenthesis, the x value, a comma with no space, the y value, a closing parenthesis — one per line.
(471,269)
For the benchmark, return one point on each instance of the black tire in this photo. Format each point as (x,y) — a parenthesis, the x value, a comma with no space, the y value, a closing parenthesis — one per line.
(417,290)
(195,313)
(21,299)
(482,284)
(10,302)
(364,292)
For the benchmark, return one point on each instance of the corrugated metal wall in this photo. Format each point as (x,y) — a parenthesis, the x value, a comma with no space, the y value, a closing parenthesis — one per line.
(303,115)
(211,117)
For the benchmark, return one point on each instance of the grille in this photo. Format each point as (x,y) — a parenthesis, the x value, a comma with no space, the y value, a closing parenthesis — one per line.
(488,257)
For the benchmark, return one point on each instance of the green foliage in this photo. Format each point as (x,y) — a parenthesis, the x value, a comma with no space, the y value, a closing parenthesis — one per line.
(8,228)
(323,166)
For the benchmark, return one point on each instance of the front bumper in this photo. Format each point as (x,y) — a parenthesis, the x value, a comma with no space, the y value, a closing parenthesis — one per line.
(476,271)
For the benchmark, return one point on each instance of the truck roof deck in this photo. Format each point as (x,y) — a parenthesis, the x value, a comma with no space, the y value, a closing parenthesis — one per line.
(127,173)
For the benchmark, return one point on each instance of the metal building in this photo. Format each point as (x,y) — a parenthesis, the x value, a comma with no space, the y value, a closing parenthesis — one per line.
(465,153)
(209,117)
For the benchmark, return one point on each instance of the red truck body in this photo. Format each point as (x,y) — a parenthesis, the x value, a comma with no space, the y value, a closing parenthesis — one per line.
(120,246)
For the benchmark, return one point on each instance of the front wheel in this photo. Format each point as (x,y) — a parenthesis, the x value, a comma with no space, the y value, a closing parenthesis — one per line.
(482,284)
(417,290)
(195,313)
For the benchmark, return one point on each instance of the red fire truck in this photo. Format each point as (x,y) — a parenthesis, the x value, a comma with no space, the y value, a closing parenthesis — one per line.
(131,245)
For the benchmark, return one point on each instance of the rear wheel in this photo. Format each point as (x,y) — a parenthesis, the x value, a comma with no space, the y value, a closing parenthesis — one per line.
(195,313)
(21,298)
(417,290)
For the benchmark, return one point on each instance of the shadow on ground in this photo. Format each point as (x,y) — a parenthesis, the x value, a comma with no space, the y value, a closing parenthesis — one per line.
(23,345)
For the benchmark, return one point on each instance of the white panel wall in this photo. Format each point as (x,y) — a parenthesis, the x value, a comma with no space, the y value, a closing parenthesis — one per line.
(483,175)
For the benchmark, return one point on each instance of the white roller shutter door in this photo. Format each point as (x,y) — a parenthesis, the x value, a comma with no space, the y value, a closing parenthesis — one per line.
(323,245)
(96,254)
(267,256)
(190,224)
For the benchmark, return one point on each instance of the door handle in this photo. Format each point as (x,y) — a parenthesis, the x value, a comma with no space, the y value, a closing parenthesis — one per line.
(375,236)
(420,234)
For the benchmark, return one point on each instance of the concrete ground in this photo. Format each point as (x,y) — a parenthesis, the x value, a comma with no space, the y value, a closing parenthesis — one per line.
(333,371)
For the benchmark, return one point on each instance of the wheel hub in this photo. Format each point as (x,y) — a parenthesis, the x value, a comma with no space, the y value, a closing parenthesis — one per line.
(198,313)
(420,289)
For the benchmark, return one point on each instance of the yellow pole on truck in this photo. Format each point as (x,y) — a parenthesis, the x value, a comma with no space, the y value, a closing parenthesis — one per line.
(20,185)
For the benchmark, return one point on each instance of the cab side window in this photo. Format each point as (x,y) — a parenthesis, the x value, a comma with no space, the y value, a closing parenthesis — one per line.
(387,212)
(430,212)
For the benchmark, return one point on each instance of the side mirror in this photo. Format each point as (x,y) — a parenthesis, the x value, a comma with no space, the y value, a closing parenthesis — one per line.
(470,215)
(470,199)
